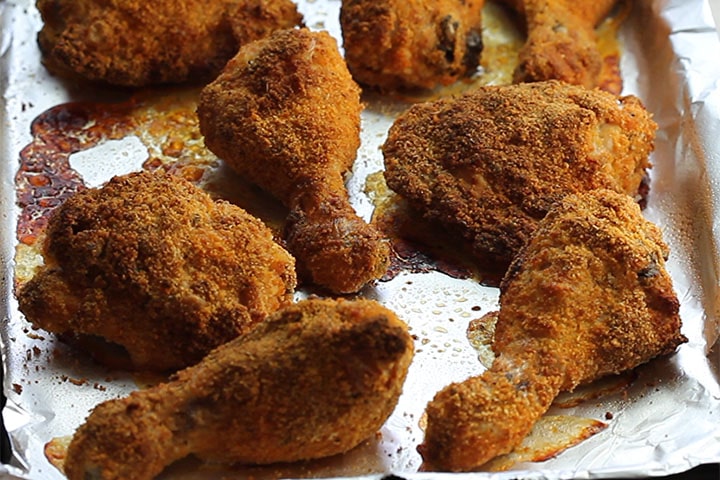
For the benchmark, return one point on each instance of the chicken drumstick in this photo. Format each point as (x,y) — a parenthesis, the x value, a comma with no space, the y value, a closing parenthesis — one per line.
(587,297)
(285,112)
(315,379)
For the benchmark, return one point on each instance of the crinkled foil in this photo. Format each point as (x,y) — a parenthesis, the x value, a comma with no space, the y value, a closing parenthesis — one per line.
(666,422)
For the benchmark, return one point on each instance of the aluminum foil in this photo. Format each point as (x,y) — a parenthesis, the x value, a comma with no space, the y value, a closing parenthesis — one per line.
(667,421)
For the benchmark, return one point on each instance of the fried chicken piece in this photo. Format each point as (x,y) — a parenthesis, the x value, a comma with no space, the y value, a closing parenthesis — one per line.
(285,113)
(489,164)
(315,379)
(587,297)
(561,41)
(150,262)
(136,43)
(411,44)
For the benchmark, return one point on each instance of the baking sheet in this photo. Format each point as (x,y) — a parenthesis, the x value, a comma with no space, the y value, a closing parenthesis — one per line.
(668,420)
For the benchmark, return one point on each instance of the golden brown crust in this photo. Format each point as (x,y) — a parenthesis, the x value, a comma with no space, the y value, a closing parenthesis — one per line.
(588,296)
(136,43)
(255,19)
(409,44)
(285,113)
(314,380)
(152,263)
(489,164)
(595,256)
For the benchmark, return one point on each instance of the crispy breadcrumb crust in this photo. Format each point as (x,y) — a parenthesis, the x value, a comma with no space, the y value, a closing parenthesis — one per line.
(315,379)
(594,263)
(152,263)
(285,112)
(136,43)
(489,164)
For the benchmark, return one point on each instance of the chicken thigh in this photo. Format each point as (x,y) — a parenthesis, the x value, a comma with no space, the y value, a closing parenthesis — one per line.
(150,262)
(313,380)
(489,164)
(588,296)
(136,43)
(285,113)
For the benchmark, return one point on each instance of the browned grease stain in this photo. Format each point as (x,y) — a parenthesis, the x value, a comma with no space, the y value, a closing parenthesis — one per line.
(166,125)
(551,435)
(421,246)
(44,179)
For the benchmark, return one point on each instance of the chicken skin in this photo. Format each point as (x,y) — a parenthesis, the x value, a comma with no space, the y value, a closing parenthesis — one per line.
(411,44)
(488,165)
(285,113)
(315,379)
(561,41)
(151,263)
(137,43)
(588,296)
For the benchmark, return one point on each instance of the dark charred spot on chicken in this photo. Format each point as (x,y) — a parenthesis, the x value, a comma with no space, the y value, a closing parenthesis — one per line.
(447,36)
(652,269)
(474,44)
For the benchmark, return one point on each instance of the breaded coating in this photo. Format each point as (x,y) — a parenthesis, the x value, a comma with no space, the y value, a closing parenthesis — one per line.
(285,113)
(136,43)
(150,262)
(411,44)
(588,296)
(313,380)
(489,164)
(561,41)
